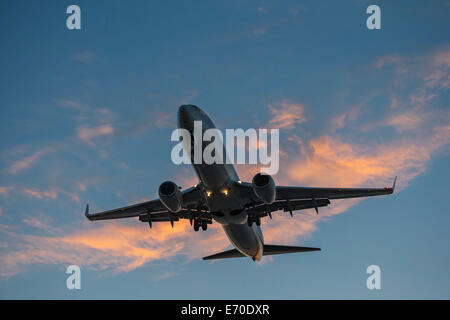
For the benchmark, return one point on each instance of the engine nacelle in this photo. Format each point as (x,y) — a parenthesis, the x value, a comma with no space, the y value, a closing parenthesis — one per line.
(170,196)
(264,188)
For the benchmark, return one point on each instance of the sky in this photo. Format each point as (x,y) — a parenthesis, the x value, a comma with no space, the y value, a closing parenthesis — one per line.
(86,117)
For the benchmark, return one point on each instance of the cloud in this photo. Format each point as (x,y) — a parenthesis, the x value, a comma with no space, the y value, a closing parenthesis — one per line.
(72,196)
(165,275)
(87,134)
(349,164)
(259,31)
(164,119)
(286,114)
(403,121)
(83,184)
(35,222)
(36,193)
(26,162)
(84,57)
(113,245)
(262,9)
(328,161)
(4,191)
(52,193)
(67,103)
(398,61)
(438,75)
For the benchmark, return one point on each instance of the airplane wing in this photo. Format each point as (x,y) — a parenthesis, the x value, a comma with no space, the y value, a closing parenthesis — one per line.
(287,193)
(291,199)
(154,209)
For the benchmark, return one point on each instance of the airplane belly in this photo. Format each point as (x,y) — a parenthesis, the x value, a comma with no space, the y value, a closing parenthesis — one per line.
(247,240)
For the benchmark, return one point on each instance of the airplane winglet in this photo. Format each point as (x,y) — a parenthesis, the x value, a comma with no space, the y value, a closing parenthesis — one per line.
(86,213)
(393,185)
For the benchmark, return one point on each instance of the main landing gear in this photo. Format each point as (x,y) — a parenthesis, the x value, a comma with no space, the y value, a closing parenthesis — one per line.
(251,220)
(200,223)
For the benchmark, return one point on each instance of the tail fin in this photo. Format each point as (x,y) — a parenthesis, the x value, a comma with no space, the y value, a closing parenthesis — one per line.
(269,249)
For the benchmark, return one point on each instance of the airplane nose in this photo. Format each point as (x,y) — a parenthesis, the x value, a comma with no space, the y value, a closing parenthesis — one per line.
(185,116)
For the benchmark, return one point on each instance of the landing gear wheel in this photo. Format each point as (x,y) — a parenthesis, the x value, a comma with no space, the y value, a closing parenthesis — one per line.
(258,221)
(204,225)
(249,221)
(196,226)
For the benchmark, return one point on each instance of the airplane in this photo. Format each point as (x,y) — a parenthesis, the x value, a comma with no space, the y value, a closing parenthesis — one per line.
(238,206)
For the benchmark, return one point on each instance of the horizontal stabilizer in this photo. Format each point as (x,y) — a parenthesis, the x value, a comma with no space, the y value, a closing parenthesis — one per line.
(226,254)
(269,249)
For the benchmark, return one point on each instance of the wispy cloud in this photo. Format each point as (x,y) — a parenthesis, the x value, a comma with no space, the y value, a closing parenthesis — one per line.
(36,222)
(88,134)
(397,61)
(84,57)
(286,114)
(439,75)
(68,103)
(4,191)
(45,194)
(26,162)
(259,31)
(52,193)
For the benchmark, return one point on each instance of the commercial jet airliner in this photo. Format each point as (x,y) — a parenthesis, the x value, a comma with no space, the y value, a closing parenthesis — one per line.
(238,206)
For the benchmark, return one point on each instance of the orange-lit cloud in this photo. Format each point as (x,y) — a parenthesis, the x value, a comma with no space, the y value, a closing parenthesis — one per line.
(36,193)
(26,162)
(118,246)
(439,75)
(35,222)
(398,61)
(286,114)
(87,134)
(49,194)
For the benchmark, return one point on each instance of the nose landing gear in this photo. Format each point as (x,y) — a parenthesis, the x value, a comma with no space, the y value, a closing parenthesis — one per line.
(251,220)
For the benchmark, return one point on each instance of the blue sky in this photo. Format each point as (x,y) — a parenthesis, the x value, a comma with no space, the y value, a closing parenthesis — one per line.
(87,116)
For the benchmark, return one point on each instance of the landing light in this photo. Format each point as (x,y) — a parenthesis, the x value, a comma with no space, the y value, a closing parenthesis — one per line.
(208,193)
(225,192)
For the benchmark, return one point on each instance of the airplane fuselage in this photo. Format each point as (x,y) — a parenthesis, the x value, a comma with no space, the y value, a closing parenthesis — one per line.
(223,200)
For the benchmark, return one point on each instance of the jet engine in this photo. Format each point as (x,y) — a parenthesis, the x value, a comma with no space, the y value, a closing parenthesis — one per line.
(170,196)
(264,188)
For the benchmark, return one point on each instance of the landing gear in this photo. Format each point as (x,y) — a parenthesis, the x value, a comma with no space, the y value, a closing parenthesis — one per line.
(250,221)
(200,223)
